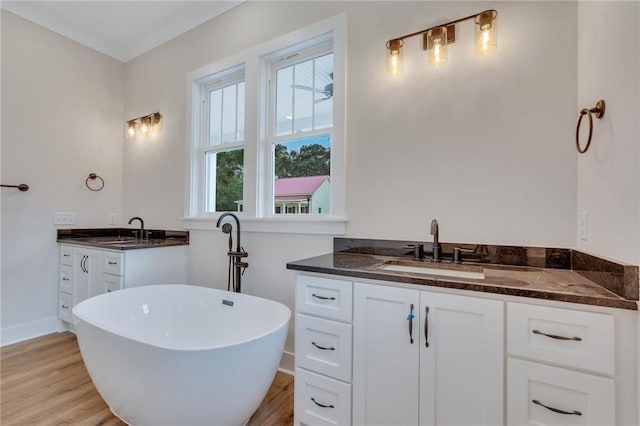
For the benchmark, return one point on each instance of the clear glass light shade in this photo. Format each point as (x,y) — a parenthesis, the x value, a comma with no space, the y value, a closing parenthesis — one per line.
(437,46)
(156,124)
(131,129)
(486,32)
(145,126)
(394,58)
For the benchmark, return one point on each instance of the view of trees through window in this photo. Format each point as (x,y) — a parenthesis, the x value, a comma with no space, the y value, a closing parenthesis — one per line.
(228,180)
(305,157)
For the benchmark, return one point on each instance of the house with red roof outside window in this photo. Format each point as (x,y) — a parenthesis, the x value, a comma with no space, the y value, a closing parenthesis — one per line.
(300,195)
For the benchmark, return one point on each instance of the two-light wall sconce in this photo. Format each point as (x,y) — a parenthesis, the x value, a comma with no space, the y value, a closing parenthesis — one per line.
(436,39)
(143,126)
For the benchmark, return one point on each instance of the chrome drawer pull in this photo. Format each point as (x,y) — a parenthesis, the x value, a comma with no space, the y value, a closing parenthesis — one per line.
(65,279)
(321,405)
(322,297)
(555,336)
(65,307)
(322,347)
(113,263)
(557,410)
(66,255)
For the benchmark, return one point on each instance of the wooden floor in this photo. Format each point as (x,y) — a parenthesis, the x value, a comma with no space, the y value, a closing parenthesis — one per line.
(45,382)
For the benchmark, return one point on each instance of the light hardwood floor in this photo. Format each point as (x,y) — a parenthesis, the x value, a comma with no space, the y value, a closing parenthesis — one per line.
(45,382)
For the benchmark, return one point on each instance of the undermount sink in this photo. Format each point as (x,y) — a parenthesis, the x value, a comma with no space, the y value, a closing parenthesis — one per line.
(470,272)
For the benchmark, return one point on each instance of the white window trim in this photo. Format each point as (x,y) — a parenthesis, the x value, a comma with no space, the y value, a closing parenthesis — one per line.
(253,217)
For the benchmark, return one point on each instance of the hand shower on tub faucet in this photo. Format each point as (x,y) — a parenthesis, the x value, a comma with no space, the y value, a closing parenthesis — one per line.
(236,266)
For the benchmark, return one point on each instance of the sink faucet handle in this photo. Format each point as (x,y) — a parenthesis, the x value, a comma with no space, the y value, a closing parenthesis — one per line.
(434,226)
(418,250)
(457,254)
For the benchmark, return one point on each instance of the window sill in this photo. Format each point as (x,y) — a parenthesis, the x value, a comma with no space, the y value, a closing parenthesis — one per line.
(283,225)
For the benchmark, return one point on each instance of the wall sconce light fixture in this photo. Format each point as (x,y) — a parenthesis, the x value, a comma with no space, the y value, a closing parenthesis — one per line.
(436,39)
(143,126)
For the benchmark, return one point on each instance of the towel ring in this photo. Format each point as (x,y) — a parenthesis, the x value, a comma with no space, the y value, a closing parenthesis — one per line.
(598,111)
(94,176)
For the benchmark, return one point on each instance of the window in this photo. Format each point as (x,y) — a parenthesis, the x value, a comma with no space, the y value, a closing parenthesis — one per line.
(223,151)
(300,133)
(280,162)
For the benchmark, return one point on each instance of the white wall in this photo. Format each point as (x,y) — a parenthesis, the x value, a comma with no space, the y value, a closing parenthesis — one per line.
(609,173)
(483,144)
(62,118)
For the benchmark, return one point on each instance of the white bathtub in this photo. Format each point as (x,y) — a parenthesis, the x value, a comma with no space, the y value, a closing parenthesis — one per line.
(181,355)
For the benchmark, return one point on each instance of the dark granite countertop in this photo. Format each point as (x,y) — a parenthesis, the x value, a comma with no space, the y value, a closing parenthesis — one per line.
(122,238)
(553,283)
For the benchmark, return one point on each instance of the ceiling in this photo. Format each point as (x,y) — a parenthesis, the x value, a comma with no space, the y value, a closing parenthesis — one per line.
(121,29)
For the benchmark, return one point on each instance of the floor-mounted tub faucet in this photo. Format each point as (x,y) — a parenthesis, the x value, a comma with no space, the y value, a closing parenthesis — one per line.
(436,243)
(236,265)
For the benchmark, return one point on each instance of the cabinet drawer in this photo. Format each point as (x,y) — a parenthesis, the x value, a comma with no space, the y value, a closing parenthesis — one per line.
(576,339)
(111,283)
(113,263)
(324,346)
(321,401)
(324,297)
(66,255)
(65,304)
(581,398)
(65,279)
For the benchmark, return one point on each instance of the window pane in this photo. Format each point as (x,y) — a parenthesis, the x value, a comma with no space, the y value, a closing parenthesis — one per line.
(323,114)
(215,116)
(302,176)
(224,174)
(303,93)
(284,101)
(229,97)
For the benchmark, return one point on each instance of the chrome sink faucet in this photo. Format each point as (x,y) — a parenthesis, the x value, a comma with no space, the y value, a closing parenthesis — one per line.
(141,235)
(436,243)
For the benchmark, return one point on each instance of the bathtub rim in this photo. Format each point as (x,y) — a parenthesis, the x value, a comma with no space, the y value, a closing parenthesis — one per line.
(138,339)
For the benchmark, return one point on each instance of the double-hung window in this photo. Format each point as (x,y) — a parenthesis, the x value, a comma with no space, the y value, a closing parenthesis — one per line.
(300,132)
(280,162)
(222,152)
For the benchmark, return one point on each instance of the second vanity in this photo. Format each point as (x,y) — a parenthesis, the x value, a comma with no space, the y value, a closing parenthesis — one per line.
(533,341)
(96,261)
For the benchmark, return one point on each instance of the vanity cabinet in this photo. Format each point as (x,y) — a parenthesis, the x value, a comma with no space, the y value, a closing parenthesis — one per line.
(323,351)
(87,272)
(560,366)
(426,358)
(80,277)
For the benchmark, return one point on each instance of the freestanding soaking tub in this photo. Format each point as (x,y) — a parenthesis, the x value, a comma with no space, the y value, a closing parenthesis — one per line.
(181,355)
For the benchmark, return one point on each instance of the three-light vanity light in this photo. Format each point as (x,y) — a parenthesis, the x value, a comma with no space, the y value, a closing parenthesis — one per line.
(436,39)
(146,125)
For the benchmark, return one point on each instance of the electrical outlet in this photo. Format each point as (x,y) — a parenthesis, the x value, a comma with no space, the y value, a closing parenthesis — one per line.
(583,226)
(113,219)
(64,218)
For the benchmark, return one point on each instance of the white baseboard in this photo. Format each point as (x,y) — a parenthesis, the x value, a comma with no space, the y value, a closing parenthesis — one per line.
(18,333)
(287,363)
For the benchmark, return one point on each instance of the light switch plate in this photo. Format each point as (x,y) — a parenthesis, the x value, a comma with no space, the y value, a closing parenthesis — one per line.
(64,218)
(112,219)
(583,226)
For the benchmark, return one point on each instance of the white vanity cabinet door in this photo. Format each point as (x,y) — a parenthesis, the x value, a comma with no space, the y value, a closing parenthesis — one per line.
(462,368)
(324,297)
(570,397)
(320,400)
(65,279)
(324,346)
(575,339)
(113,263)
(65,304)
(87,274)
(111,283)
(385,367)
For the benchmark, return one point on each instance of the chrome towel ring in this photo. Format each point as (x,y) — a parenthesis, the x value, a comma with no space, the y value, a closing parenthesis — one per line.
(598,111)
